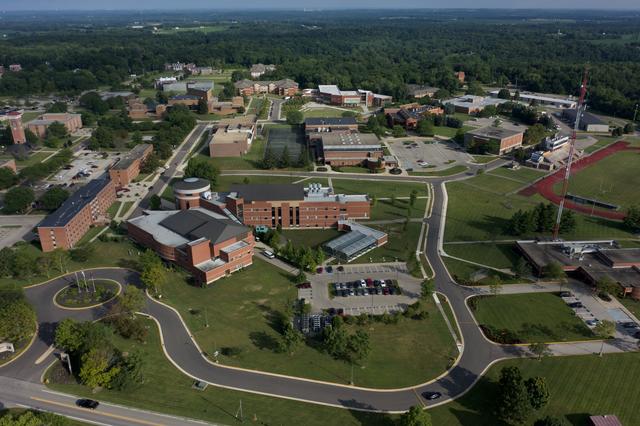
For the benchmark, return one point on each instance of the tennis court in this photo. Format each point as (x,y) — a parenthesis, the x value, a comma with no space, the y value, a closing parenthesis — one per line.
(291,137)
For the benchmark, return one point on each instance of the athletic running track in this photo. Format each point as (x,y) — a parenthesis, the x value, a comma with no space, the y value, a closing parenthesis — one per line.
(545,186)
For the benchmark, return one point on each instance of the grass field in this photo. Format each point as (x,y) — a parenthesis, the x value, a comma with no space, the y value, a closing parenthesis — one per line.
(310,237)
(444,172)
(167,390)
(610,179)
(377,188)
(533,317)
(632,305)
(464,271)
(579,386)
(484,159)
(449,132)
(242,310)
(403,240)
(352,169)
(384,210)
(105,254)
(500,256)
(323,112)
(224,182)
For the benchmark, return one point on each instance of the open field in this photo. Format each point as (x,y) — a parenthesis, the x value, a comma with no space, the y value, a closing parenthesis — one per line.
(449,132)
(444,172)
(225,182)
(167,390)
(384,209)
(243,311)
(310,237)
(376,188)
(501,256)
(323,112)
(465,271)
(579,386)
(533,317)
(612,179)
(403,239)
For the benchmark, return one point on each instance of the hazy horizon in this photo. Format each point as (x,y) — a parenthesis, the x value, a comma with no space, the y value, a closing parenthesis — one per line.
(125,5)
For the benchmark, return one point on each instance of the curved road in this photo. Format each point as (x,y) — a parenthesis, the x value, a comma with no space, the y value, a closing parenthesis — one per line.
(183,352)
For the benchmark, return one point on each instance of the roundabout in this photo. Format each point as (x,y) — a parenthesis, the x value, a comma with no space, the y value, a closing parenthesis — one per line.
(86,296)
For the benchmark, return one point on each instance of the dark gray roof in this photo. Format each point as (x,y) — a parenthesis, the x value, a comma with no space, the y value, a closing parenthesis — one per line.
(269,192)
(191,184)
(76,202)
(494,132)
(585,119)
(337,121)
(136,153)
(193,224)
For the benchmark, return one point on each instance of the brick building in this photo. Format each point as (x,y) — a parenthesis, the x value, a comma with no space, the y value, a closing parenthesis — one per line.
(85,208)
(40,125)
(313,125)
(332,95)
(128,168)
(14,119)
(348,149)
(233,137)
(408,115)
(285,87)
(287,205)
(505,140)
(209,245)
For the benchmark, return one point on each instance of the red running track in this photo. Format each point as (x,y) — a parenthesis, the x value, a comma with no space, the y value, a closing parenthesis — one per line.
(545,186)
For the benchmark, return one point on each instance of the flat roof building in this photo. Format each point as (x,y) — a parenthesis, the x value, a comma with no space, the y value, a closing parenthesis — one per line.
(471,104)
(331,94)
(540,98)
(358,240)
(233,137)
(320,124)
(502,140)
(14,117)
(209,245)
(39,126)
(128,168)
(85,208)
(349,149)
(588,122)
(420,91)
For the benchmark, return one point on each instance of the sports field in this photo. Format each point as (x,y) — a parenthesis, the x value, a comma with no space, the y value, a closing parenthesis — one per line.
(614,179)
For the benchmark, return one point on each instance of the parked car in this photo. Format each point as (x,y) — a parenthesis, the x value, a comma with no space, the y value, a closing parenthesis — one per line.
(592,322)
(341,268)
(91,404)
(365,292)
(319,270)
(329,269)
(629,324)
(363,283)
(566,294)
(576,305)
(431,395)
(268,254)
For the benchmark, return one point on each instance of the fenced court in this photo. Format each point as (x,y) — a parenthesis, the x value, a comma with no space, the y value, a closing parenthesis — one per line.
(291,137)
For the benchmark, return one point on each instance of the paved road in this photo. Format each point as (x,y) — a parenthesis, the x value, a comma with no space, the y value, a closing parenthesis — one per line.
(275,110)
(179,157)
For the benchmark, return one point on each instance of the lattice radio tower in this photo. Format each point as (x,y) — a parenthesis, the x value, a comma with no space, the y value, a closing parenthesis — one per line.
(572,146)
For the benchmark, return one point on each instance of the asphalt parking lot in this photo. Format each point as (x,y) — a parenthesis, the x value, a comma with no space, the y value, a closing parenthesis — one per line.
(438,154)
(90,161)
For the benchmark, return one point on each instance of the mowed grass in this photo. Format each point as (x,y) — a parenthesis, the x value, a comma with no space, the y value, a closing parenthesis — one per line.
(242,311)
(224,182)
(444,172)
(579,386)
(323,113)
(532,317)
(400,209)
(614,179)
(401,245)
(500,256)
(474,274)
(631,304)
(379,189)
(449,132)
(169,391)
(310,237)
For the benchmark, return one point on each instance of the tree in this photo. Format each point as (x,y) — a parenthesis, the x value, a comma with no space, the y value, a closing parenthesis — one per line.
(202,168)
(96,368)
(617,131)
(203,106)
(7,258)
(57,130)
(24,263)
(53,198)
(606,285)
(57,107)
(537,391)
(131,300)
(416,416)
(427,288)
(155,202)
(290,340)
(18,200)
(504,94)
(17,318)
(540,350)
(398,131)
(269,161)
(153,274)
(495,285)
(69,336)
(285,159)
(131,371)
(426,128)
(60,259)
(632,219)
(413,196)
(568,222)
(151,163)
(629,128)
(294,117)
(335,337)
(534,134)
(554,271)
(358,347)
(513,403)
(304,159)
(8,178)
(605,330)
(94,103)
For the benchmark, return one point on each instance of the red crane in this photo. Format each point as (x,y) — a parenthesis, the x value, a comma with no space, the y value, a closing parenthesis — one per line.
(572,145)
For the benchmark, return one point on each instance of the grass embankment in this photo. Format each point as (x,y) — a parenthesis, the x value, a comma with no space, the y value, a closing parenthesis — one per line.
(242,312)
(531,317)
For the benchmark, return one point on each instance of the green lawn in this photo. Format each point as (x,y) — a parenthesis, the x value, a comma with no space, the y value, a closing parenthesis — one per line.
(500,256)
(113,210)
(463,272)
(602,142)
(92,232)
(167,390)
(632,305)
(449,132)
(523,174)
(35,158)
(242,309)
(224,182)
(444,172)
(533,317)
(352,169)
(484,159)
(403,240)
(494,183)
(378,189)
(579,386)
(324,112)
(609,180)
(310,237)
(384,210)
(105,254)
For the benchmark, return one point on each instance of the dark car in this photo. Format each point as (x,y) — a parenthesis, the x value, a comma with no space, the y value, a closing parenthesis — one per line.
(431,395)
(576,305)
(319,270)
(329,269)
(566,294)
(629,324)
(637,335)
(87,403)
(341,268)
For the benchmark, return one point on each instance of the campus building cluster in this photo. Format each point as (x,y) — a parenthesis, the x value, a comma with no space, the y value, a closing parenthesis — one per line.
(337,142)
(472,104)
(285,87)
(539,99)
(503,140)
(333,95)
(590,261)
(409,115)
(232,137)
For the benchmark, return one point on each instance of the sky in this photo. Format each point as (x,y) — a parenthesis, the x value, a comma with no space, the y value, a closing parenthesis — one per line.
(12,5)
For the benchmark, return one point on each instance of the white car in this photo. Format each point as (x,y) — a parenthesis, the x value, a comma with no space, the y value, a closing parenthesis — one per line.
(268,254)
(422,163)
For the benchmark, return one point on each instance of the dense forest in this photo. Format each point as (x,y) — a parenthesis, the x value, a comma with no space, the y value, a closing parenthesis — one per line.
(372,50)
